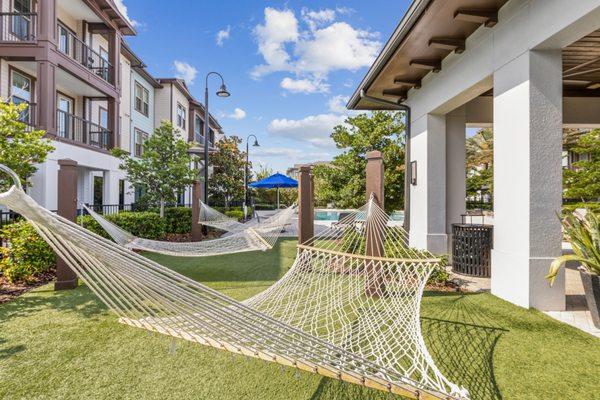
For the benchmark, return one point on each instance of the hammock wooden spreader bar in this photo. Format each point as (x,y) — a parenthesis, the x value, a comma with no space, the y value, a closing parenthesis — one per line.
(316,318)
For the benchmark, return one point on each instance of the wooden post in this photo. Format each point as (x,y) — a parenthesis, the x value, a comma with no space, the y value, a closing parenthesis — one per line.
(67,208)
(374,246)
(196,195)
(306,218)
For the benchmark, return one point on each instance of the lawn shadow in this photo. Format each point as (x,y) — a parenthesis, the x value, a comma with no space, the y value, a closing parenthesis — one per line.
(80,300)
(461,340)
(6,352)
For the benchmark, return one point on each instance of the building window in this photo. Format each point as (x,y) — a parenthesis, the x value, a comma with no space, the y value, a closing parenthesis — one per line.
(211,137)
(21,91)
(65,116)
(98,190)
(121,193)
(199,130)
(140,138)
(180,116)
(103,118)
(142,99)
(104,63)
(64,39)
(21,23)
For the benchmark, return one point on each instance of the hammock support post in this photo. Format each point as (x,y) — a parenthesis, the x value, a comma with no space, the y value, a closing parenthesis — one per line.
(67,208)
(196,195)
(306,218)
(374,236)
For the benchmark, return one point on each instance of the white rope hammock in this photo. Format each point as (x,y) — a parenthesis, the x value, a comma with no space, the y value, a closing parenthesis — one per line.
(262,236)
(211,217)
(347,309)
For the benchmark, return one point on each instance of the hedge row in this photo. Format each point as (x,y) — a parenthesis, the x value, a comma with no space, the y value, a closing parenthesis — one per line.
(27,255)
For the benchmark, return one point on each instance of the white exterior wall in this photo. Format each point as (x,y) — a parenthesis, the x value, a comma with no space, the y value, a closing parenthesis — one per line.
(521,251)
(162,104)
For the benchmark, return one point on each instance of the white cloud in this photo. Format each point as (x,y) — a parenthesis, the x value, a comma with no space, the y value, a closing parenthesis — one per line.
(323,46)
(337,104)
(223,35)
(185,71)
(315,129)
(336,47)
(123,10)
(315,19)
(279,28)
(304,85)
(238,114)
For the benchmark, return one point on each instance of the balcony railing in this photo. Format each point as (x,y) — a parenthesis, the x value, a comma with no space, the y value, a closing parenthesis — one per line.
(72,46)
(18,27)
(83,131)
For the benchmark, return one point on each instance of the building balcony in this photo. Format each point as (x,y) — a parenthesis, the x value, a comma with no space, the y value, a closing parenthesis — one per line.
(82,131)
(73,47)
(18,27)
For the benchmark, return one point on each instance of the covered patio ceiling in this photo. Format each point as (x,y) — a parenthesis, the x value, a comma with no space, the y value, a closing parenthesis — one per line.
(433,29)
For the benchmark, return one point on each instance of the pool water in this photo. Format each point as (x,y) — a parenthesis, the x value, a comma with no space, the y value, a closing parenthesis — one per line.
(334,215)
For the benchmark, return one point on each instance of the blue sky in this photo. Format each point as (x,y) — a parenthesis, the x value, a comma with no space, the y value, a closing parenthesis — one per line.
(289,66)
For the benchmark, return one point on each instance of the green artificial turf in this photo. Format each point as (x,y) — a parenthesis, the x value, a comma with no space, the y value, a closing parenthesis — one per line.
(66,345)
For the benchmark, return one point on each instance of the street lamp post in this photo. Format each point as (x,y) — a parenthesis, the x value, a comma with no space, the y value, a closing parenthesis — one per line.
(196,151)
(222,92)
(246,171)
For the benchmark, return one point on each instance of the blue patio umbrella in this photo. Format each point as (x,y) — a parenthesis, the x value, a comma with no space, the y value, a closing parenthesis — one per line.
(275,181)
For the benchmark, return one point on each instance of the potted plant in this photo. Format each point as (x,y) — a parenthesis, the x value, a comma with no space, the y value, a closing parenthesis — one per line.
(583,232)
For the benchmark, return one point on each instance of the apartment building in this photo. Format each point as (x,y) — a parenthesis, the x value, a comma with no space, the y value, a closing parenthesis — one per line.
(175,103)
(89,91)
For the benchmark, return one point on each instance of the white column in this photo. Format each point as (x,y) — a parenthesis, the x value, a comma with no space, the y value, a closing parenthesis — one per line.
(44,184)
(428,196)
(111,187)
(528,179)
(456,175)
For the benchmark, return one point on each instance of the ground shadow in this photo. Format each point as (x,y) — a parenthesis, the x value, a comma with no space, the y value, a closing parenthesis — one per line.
(80,300)
(6,352)
(461,340)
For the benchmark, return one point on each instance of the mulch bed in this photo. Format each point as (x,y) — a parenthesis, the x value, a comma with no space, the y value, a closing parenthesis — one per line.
(10,291)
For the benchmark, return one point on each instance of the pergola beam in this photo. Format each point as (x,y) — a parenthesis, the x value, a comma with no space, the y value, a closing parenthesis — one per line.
(452,44)
(434,65)
(487,17)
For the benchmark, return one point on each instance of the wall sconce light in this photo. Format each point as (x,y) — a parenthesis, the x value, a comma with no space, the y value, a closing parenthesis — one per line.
(413,173)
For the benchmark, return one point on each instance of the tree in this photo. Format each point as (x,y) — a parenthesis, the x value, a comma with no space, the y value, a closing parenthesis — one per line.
(480,158)
(583,181)
(227,180)
(343,180)
(264,196)
(163,169)
(21,147)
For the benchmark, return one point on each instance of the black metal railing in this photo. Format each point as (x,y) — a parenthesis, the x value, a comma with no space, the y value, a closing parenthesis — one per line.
(72,46)
(80,130)
(18,27)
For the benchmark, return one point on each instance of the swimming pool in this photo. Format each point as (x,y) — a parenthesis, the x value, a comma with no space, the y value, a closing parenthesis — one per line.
(334,215)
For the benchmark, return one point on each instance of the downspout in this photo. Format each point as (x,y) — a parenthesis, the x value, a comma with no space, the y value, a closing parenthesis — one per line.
(406,109)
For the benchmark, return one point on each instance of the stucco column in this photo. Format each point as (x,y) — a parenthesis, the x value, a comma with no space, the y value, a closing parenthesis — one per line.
(528,179)
(428,195)
(306,218)
(110,181)
(456,175)
(67,208)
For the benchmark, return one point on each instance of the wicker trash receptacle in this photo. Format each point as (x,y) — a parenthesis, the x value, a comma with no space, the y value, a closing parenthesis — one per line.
(472,249)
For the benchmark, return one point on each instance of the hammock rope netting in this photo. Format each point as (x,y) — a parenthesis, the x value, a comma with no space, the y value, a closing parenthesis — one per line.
(243,237)
(347,309)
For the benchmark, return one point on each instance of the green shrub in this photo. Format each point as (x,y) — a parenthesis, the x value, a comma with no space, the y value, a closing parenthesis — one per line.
(90,223)
(178,220)
(440,275)
(144,224)
(570,207)
(261,206)
(237,214)
(27,255)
